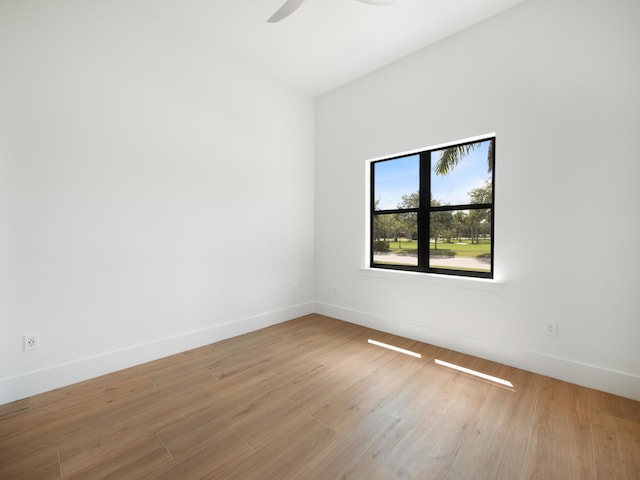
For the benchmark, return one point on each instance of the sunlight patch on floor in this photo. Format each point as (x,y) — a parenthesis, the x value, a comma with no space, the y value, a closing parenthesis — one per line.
(474,373)
(395,349)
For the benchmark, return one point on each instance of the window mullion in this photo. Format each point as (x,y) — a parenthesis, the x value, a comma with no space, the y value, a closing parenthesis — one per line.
(424,213)
(372,203)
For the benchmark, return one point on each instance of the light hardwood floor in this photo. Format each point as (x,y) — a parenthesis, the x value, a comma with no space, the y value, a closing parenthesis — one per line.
(311,399)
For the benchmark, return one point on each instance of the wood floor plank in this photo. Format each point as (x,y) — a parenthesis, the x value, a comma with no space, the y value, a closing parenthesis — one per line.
(94,392)
(127,464)
(418,392)
(43,466)
(279,411)
(424,444)
(283,458)
(343,457)
(624,408)
(513,408)
(186,436)
(262,353)
(50,422)
(311,349)
(496,445)
(434,450)
(187,369)
(561,444)
(221,398)
(74,424)
(77,456)
(616,439)
(345,410)
(216,453)
(489,451)
(376,462)
(15,408)
(311,398)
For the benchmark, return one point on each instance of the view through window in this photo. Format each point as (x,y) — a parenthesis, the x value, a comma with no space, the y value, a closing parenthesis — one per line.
(432,211)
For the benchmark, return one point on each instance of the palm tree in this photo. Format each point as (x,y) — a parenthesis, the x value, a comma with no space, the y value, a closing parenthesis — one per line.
(452,155)
(459,222)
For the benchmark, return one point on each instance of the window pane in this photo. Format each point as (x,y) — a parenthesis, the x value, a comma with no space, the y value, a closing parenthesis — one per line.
(462,174)
(396,183)
(395,239)
(461,240)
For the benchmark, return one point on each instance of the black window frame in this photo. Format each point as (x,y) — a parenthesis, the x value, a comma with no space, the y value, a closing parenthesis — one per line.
(425,209)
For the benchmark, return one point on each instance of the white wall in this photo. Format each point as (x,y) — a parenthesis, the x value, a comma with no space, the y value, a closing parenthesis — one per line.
(155,194)
(558,83)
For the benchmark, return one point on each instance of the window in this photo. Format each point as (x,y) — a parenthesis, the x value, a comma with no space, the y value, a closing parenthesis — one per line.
(433,211)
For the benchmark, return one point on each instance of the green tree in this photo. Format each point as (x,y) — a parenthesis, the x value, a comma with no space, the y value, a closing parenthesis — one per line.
(452,155)
(482,194)
(480,219)
(411,200)
(459,222)
(440,223)
(408,220)
(383,229)
(476,217)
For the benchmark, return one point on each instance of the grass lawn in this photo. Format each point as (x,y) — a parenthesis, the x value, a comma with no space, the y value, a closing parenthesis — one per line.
(462,249)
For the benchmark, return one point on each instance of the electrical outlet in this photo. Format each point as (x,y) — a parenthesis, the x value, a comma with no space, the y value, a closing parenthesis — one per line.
(551,328)
(29,342)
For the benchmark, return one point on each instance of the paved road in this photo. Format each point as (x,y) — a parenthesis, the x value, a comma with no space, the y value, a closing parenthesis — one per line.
(460,262)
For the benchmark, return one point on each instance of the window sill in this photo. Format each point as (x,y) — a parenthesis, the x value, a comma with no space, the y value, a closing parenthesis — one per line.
(490,285)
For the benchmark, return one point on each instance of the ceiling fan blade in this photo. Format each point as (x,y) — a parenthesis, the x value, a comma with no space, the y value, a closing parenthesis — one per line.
(285,10)
(378,2)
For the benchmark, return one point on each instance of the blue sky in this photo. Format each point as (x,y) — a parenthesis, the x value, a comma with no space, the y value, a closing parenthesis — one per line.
(395,178)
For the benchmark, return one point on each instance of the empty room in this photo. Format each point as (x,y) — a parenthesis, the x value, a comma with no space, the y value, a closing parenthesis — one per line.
(319,239)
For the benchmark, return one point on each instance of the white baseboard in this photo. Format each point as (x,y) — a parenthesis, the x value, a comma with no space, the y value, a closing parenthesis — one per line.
(55,376)
(592,376)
